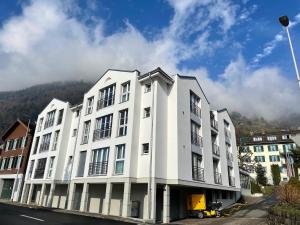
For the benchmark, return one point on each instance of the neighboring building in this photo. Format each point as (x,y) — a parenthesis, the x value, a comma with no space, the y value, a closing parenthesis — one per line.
(267,149)
(144,143)
(13,159)
(49,167)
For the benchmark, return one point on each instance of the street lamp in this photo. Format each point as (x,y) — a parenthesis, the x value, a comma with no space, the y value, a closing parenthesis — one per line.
(284,20)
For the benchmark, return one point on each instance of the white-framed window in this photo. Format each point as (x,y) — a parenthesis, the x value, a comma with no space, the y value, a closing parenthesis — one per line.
(45,142)
(19,162)
(274,158)
(123,120)
(14,162)
(258,148)
(40,168)
(145,148)
(55,140)
(74,133)
(120,159)
(40,124)
(271,138)
(10,161)
(99,163)
(24,140)
(51,162)
(81,164)
(60,116)
(147,112)
(257,138)
(259,158)
(50,119)
(15,143)
(147,87)
(106,96)
(89,106)
(36,145)
(86,131)
(19,143)
(125,90)
(273,148)
(103,127)
(30,169)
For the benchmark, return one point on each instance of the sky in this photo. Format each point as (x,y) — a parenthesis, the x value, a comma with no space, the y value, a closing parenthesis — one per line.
(236,48)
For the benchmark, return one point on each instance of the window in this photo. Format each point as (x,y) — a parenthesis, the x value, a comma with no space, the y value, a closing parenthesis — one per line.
(123,120)
(89,106)
(60,116)
(15,143)
(244,149)
(10,144)
(45,142)
(257,138)
(259,158)
(103,127)
(147,87)
(285,137)
(14,162)
(19,142)
(274,158)
(258,148)
(197,167)
(74,134)
(40,169)
(50,167)
(195,134)
(273,148)
(40,124)
(19,163)
(145,148)
(30,169)
(36,145)
(6,162)
(86,131)
(24,141)
(77,113)
(146,112)
(1,161)
(106,97)
(81,164)
(125,90)
(99,163)
(10,162)
(288,147)
(271,138)
(50,119)
(120,157)
(55,140)
(195,104)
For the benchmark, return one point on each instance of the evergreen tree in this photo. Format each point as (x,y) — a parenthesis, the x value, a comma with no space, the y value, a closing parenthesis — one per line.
(275,174)
(296,158)
(261,175)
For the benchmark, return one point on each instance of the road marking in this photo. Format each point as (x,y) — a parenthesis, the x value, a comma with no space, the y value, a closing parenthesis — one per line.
(32,218)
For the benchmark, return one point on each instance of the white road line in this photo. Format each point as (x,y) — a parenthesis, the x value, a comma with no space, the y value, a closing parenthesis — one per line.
(32,218)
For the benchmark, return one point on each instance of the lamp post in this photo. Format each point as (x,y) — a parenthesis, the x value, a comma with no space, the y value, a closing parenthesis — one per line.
(284,20)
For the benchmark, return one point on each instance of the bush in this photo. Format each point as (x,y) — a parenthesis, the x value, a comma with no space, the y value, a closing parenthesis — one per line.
(255,188)
(275,174)
(288,193)
(295,182)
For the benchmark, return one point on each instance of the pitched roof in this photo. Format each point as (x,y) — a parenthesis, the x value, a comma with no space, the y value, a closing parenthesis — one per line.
(21,122)
(159,71)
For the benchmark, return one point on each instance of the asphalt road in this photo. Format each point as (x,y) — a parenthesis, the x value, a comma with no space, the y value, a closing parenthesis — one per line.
(16,215)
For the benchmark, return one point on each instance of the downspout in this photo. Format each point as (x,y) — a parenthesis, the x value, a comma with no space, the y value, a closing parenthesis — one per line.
(151,153)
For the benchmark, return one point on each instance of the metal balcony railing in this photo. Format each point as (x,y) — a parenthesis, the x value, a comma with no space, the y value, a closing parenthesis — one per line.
(98,168)
(196,139)
(44,147)
(218,178)
(231,181)
(216,149)
(198,173)
(105,102)
(39,173)
(229,156)
(214,124)
(101,133)
(195,109)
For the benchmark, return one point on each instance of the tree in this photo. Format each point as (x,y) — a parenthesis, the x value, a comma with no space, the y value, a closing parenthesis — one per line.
(261,175)
(296,158)
(245,161)
(275,170)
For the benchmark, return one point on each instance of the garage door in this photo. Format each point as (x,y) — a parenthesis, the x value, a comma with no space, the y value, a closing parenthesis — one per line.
(7,189)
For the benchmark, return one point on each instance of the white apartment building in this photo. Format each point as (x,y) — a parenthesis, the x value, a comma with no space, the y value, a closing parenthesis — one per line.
(268,149)
(144,143)
(49,166)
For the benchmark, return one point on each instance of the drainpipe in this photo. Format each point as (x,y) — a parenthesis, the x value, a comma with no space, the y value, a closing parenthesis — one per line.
(72,163)
(151,153)
(19,166)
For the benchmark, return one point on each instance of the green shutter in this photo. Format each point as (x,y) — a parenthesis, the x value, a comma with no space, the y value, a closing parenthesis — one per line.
(269,149)
(276,147)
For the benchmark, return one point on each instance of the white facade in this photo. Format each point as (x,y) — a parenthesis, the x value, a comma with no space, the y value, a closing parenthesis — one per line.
(145,142)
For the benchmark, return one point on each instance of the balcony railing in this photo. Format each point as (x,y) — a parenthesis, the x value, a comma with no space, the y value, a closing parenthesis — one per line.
(218,178)
(196,139)
(105,102)
(44,147)
(214,124)
(39,173)
(231,181)
(195,109)
(216,149)
(229,156)
(198,173)
(98,168)
(227,134)
(101,133)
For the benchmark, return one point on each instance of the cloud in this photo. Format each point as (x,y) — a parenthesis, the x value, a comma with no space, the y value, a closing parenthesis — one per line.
(51,41)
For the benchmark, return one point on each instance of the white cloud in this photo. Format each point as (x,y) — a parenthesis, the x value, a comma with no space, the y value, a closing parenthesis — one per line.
(48,43)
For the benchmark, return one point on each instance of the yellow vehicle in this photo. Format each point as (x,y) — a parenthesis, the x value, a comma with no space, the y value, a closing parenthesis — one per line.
(196,205)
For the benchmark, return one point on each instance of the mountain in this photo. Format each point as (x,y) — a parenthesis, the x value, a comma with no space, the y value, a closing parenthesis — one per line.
(28,103)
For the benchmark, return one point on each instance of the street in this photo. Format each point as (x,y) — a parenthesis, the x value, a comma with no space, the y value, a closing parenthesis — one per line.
(16,215)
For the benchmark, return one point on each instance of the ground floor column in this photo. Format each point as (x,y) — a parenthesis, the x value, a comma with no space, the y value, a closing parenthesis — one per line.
(70,196)
(50,196)
(126,209)
(84,197)
(107,198)
(42,194)
(29,194)
(166,204)
(152,202)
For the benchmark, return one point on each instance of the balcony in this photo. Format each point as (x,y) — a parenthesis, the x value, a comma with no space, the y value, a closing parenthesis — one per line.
(214,124)
(98,168)
(231,181)
(218,178)
(198,173)
(101,133)
(195,109)
(227,135)
(105,102)
(196,140)
(229,156)
(39,173)
(44,147)
(216,149)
